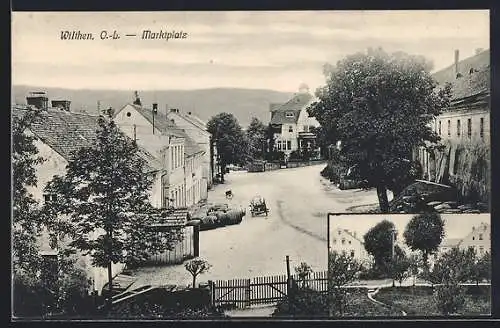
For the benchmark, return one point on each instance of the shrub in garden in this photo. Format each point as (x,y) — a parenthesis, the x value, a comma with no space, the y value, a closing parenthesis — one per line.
(305,302)
(450,298)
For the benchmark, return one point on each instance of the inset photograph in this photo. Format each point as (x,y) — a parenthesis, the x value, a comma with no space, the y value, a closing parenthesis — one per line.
(399,265)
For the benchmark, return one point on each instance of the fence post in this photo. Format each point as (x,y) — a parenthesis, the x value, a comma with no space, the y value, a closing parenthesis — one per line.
(211,284)
(248,292)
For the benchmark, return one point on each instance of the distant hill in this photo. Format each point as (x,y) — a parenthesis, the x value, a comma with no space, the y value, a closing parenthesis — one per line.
(243,103)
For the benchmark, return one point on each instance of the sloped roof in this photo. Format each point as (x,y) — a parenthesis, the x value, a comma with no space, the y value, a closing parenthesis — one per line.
(294,105)
(478,62)
(167,127)
(67,132)
(471,84)
(195,120)
(451,242)
(177,218)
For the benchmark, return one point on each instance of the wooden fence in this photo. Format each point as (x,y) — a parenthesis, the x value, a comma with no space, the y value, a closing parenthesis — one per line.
(241,293)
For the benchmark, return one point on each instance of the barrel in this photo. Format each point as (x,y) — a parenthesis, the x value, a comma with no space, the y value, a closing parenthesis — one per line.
(234,216)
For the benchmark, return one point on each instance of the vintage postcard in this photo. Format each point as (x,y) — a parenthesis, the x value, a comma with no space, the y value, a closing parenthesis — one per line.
(186,165)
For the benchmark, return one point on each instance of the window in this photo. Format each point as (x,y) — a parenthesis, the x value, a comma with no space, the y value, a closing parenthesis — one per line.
(480,236)
(469,127)
(352,253)
(481,127)
(481,250)
(289,145)
(49,197)
(458,128)
(343,241)
(289,114)
(334,241)
(339,232)
(349,242)
(449,128)
(473,238)
(439,127)
(279,145)
(290,128)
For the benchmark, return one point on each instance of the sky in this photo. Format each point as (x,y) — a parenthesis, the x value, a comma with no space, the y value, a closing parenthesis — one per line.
(257,50)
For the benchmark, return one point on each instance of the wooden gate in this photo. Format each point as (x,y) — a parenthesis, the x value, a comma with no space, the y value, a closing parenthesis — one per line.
(241,293)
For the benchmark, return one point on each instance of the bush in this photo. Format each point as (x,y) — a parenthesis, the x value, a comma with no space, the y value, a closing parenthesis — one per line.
(306,303)
(372,274)
(450,299)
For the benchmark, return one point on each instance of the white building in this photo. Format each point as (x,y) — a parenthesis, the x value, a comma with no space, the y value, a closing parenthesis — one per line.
(344,241)
(292,124)
(183,158)
(196,129)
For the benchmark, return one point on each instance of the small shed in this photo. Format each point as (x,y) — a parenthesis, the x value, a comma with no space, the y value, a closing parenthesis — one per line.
(185,249)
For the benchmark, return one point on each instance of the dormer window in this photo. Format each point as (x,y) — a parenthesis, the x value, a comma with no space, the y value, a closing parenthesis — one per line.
(289,114)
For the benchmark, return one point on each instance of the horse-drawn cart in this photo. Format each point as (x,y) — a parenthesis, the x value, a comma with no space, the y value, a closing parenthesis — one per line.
(258,206)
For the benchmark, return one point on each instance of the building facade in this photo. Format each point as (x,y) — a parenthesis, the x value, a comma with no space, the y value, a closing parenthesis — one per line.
(464,129)
(347,242)
(479,238)
(196,129)
(184,184)
(292,125)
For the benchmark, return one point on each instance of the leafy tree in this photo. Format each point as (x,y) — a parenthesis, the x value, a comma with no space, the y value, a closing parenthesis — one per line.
(451,270)
(303,271)
(229,140)
(399,265)
(256,139)
(379,106)
(196,267)
(424,232)
(450,298)
(415,263)
(103,197)
(378,242)
(342,270)
(483,268)
(27,223)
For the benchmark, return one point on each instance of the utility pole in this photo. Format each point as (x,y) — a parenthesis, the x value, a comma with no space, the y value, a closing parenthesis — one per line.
(393,242)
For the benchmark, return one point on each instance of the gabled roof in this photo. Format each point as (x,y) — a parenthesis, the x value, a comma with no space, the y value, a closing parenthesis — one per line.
(67,132)
(474,79)
(195,120)
(471,84)
(478,62)
(167,127)
(293,106)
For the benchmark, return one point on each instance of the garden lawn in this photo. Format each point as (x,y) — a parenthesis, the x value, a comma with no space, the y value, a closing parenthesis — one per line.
(420,301)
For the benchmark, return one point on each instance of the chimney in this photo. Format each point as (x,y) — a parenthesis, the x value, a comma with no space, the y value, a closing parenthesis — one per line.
(456,62)
(479,50)
(38,99)
(61,104)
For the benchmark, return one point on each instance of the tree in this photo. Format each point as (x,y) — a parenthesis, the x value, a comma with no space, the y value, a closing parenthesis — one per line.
(196,267)
(424,232)
(303,271)
(256,139)
(483,268)
(103,200)
(415,263)
(399,265)
(27,223)
(229,140)
(451,270)
(378,242)
(342,270)
(379,106)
